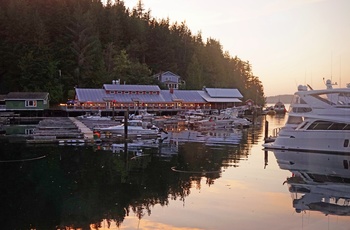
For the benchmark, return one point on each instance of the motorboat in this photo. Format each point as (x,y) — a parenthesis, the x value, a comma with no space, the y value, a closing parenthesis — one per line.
(317,120)
(279,108)
(318,182)
(94,117)
(134,127)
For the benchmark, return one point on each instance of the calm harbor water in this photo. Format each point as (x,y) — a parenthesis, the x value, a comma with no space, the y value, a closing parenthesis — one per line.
(180,184)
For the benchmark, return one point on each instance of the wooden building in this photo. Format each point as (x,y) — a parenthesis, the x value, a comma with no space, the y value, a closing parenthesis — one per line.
(119,97)
(27,101)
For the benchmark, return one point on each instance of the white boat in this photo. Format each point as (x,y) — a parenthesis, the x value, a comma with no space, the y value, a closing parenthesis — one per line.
(134,127)
(94,117)
(318,120)
(319,182)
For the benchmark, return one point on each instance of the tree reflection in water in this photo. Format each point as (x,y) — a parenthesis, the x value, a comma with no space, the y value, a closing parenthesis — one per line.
(83,186)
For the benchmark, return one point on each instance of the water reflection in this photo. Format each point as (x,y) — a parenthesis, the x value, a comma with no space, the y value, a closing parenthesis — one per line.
(319,182)
(84,186)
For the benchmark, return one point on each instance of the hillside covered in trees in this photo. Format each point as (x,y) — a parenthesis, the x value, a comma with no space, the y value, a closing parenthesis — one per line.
(56,45)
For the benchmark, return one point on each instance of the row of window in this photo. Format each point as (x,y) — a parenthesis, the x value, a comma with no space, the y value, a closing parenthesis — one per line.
(327,125)
(133,92)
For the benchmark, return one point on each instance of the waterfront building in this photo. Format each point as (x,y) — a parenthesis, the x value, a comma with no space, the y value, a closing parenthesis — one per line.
(119,97)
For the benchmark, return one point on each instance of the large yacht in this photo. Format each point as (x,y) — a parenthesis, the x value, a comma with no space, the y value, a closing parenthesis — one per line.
(318,182)
(317,120)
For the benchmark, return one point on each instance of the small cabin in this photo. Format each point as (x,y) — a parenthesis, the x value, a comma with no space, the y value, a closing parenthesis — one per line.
(27,101)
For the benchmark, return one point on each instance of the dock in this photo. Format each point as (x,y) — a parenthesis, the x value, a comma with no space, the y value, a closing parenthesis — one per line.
(87,132)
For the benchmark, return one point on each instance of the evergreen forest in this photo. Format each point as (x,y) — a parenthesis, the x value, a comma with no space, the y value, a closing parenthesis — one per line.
(56,45)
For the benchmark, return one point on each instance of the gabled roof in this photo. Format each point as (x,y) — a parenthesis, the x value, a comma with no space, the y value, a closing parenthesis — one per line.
(100,95)
(183,95)
(27,96)
(207,98)
(117,87)
(223,92)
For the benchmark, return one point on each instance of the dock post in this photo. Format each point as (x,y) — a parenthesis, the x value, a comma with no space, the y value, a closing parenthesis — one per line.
(266,129)
(126,118)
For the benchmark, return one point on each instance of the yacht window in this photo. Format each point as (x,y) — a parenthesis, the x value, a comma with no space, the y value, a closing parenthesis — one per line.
(346,143)
(346,127)
(337,126)
(303,126)
(302,101)
(301,109)
(320,125)
(319,97)
(346,164)
(294,120)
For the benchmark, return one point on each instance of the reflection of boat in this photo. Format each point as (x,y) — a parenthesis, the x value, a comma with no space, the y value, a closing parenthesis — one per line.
(319,182)
(134,127)
(318,120)
(213,137)
(279,108)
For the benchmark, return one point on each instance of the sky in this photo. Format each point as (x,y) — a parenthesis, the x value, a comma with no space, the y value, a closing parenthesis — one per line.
(287,42)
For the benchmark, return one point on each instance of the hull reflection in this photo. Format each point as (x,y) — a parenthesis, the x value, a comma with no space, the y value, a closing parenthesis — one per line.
(319,182)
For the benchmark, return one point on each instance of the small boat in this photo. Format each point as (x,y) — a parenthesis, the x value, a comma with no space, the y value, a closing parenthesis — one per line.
(270,111)
(279,108)
(134,127)
(94,117)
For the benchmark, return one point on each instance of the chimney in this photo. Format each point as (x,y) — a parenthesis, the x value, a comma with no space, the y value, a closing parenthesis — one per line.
(171,90)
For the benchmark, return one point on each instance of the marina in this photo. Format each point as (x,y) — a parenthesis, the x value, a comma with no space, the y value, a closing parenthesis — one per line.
(188,173)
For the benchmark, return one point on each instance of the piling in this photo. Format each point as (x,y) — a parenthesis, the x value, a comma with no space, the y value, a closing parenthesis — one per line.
(266,130)
(126,118)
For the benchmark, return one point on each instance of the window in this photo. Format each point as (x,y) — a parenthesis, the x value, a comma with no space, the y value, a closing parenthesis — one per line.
(30,103)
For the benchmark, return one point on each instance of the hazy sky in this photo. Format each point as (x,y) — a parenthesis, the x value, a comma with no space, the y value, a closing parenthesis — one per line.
(287,42)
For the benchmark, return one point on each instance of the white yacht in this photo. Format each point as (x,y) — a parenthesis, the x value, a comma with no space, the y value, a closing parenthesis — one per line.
(317,120)
(318,182)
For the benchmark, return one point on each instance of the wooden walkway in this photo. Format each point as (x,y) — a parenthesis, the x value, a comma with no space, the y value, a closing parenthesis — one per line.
(88,134)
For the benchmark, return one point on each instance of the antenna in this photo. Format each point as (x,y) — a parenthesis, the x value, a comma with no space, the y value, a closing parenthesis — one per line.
(331,66)
(340,72)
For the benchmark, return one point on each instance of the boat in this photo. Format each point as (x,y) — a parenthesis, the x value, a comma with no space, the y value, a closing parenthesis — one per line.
(279,108)
(134,127)
(318,120)
(269,111)
(94,117)
(318,182)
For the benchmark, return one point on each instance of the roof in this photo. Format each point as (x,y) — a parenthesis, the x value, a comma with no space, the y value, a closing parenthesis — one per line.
(164,96)
(118,87)
(27,96)
(207,98)
(223,92)
(100,95)
(184,95)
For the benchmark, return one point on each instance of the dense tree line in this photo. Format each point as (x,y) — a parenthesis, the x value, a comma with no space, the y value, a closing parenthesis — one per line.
(55,45)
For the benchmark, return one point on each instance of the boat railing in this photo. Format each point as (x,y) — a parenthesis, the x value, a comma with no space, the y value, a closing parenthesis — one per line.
(276,131)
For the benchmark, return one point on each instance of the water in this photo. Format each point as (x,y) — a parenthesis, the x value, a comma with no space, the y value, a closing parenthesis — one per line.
(186,185)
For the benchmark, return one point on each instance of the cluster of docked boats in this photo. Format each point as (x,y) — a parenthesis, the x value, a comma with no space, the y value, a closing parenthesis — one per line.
(318,120)
(147,124)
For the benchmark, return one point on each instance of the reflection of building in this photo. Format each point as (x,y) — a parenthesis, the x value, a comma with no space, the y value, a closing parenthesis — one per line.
(119,97)
(320,182)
